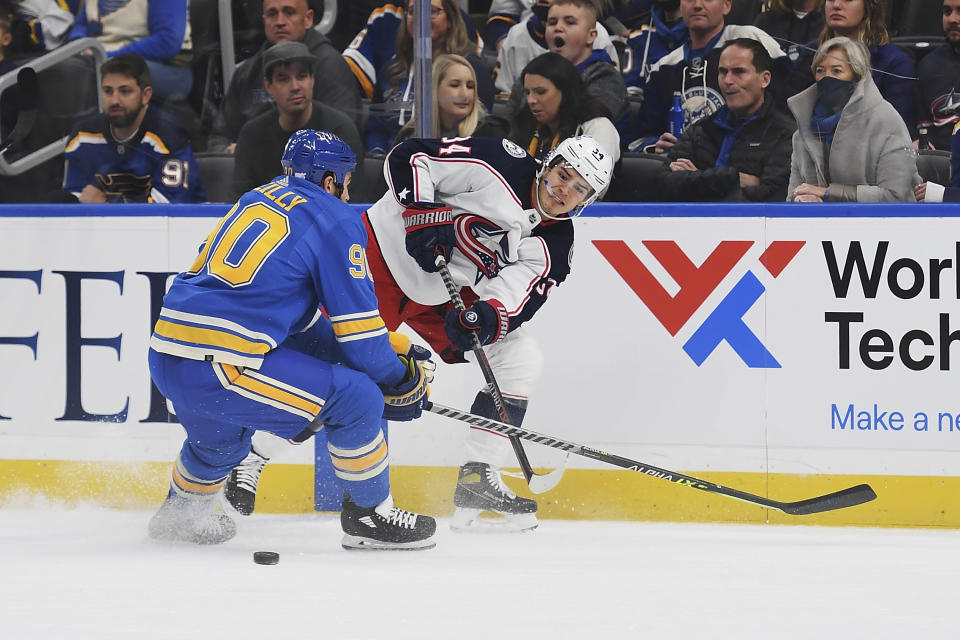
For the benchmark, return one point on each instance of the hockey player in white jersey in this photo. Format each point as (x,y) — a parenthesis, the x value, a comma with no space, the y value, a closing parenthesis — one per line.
(502,223)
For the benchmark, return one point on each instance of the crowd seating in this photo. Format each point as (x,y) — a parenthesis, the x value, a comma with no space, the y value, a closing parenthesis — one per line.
(934,166)
(914,25)
(216,174)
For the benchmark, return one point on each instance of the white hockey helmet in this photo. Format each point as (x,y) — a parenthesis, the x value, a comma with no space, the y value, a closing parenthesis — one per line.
(583,154)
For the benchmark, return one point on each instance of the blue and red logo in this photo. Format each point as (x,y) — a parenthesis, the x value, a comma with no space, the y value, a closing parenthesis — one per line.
(725,323)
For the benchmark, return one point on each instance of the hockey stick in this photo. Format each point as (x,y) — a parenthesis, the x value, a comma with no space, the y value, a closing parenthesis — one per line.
(849,497)
(539,483)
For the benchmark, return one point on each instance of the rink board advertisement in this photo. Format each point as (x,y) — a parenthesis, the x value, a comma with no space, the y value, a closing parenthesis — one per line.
(698,338)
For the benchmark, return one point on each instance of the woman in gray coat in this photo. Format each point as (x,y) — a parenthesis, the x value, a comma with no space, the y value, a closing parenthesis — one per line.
(850,144)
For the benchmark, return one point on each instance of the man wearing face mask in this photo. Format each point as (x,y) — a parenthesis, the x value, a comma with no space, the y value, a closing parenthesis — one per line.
(851,145)
(665,32)
(938,84)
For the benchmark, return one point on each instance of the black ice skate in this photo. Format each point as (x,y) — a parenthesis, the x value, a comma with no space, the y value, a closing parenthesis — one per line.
(385,527)
(480,488)
(193,520)
(241,488)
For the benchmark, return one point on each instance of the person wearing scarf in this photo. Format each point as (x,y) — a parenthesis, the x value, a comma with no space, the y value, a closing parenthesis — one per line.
(741,152)
(851,145)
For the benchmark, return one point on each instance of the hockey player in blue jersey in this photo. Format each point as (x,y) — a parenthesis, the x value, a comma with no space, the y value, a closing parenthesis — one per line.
(250,337)
(503,224)
(133,151)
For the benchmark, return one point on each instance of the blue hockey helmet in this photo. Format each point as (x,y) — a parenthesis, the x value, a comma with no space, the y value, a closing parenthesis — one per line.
(310,154)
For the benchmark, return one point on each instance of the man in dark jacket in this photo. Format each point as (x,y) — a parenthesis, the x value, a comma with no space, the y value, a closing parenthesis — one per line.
(289,79)
(938,84)
(246,97)
(741,152)
(690,72)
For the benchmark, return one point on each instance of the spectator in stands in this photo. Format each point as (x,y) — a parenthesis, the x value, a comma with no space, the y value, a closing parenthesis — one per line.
(893,72)
(457,111)
(648,44)
(688,72)
(741,152)
(572,30)
(6,64)
(133,151)
(744,11)
(285,20)
(503,15)
(933,192)
(373,49)
(938,85)
(38,26)
(792,23)
(288,77)
(394,90)
(557,107)
(850,144)
(527,40)
(156,30)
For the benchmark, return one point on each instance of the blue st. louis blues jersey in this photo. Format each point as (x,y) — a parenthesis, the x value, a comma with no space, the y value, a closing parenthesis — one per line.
(283,252)
(156,165)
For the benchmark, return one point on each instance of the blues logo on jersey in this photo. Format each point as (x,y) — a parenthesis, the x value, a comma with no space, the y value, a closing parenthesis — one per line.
(157,164)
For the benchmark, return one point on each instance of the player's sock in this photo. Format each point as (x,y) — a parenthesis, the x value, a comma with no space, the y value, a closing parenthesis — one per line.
(480,488)
(385,527)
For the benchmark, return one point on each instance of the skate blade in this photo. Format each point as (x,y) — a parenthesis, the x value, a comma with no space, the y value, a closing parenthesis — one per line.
(359,543)
(479,521)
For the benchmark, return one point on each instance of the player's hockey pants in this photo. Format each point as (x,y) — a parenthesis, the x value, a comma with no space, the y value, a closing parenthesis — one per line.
(221,405)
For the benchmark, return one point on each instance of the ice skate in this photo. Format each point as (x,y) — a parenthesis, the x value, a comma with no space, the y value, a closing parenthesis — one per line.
(385,527)
(480,489)
(193,520)
(241,487)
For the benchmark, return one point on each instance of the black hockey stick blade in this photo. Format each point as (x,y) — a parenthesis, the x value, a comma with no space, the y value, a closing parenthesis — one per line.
(849,497)
(838,500)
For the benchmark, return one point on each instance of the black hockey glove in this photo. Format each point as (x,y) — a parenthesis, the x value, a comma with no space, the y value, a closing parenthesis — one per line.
(488,318)
(406,399)
(430,232)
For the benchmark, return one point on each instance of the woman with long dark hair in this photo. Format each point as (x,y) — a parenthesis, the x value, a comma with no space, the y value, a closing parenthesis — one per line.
(557,107)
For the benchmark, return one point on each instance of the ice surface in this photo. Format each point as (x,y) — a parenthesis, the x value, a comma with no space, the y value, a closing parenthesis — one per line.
(92,573)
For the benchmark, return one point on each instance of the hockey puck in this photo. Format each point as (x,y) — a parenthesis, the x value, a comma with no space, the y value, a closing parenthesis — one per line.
(266,557)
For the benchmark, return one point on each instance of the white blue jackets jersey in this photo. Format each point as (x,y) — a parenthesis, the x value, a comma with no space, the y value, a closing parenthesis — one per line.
(504,252)
(156,165)
(284,251)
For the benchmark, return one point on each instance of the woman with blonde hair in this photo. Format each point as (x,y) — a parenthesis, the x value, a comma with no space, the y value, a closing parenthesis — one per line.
(456,109)
(893,72)
(395,84)
(850,144)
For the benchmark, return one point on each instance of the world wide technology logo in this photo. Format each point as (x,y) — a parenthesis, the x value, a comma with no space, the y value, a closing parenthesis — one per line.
(725,323)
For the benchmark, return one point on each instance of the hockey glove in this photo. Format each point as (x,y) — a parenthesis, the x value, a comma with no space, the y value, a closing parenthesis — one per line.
(403,346)
(488,318)
(430,232)
(406,399)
